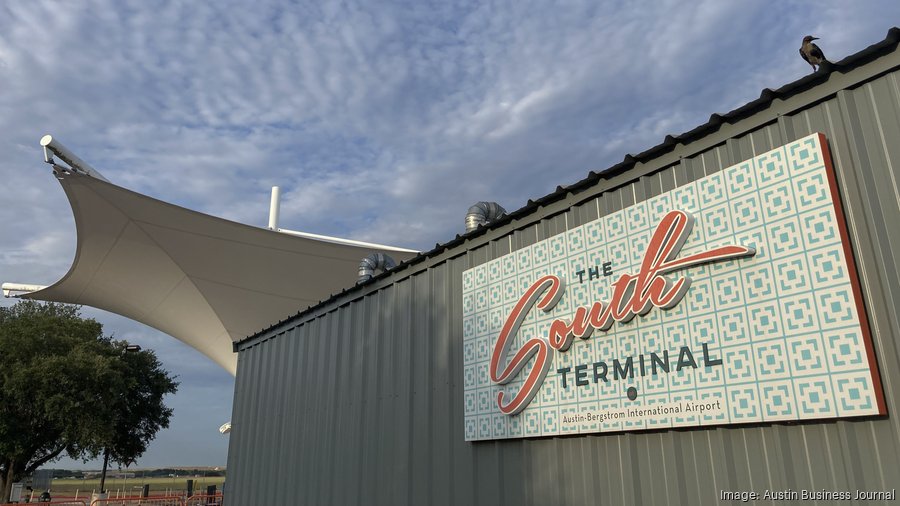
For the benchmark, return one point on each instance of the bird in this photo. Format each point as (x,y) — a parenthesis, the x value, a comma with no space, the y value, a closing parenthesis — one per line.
(811,52)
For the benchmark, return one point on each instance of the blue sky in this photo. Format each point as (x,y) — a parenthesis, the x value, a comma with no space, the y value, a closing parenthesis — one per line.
(381,121)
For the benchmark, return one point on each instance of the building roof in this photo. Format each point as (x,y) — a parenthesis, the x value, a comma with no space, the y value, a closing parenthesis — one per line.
(716,121)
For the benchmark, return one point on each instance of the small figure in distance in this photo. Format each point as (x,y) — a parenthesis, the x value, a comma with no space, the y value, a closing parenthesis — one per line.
(811,52)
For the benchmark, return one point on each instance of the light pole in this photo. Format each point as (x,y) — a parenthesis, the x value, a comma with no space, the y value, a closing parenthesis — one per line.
(131,348)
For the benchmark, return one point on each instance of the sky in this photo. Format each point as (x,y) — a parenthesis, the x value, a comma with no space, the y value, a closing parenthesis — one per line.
(380,121)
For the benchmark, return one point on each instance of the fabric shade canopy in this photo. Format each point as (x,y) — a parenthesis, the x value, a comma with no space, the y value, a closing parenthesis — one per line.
(204,280)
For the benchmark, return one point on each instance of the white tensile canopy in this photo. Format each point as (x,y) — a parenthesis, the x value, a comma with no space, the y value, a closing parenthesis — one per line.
(204,280)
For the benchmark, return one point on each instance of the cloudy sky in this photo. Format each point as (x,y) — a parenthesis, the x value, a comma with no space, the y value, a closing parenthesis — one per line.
(381,121)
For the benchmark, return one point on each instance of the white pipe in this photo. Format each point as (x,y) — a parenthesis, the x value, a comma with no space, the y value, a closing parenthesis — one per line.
(20,287)
(274,207)
(77,164)
(347,242)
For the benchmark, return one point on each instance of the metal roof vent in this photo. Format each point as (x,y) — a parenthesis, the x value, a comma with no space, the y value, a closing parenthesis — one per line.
(482,213)
(373,262)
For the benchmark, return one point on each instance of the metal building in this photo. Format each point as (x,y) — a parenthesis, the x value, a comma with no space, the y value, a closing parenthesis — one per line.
(361,399)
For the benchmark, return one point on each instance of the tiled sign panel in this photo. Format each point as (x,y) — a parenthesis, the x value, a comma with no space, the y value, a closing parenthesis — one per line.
(770,337)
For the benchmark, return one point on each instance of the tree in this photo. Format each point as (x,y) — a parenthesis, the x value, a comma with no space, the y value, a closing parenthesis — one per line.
(140,412)
(63,387)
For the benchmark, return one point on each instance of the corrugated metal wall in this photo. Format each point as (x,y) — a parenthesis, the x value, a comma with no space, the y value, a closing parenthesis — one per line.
(363,403)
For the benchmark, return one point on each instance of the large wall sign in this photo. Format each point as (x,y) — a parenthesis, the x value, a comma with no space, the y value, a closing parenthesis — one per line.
(729,300)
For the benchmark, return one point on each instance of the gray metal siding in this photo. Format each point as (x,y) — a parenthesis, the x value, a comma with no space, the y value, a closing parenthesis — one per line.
(362,403)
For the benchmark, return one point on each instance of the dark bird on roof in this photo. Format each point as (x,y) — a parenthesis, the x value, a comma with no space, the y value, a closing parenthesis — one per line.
(811,52)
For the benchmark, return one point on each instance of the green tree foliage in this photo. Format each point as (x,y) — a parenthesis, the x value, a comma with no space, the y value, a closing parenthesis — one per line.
(66,388)
(141,412)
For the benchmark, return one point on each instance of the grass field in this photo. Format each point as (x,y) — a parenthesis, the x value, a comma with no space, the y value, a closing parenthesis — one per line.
(133,486)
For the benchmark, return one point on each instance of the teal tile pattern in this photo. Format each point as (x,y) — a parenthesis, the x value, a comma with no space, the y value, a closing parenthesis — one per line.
(783,322)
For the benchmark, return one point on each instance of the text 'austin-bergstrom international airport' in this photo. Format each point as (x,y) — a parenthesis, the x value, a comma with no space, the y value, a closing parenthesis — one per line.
(713,319)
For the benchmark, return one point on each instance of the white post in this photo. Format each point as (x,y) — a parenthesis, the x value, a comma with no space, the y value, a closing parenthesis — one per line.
(274,206)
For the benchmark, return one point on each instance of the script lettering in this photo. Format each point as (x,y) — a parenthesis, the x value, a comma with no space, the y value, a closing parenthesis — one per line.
(633,294)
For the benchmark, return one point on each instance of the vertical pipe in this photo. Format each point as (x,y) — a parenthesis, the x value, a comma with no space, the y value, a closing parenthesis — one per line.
(274,208)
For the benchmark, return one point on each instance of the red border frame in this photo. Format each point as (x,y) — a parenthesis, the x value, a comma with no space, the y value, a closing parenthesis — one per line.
(854,277)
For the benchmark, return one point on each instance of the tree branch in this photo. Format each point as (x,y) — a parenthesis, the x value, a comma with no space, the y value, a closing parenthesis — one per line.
(41,461)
